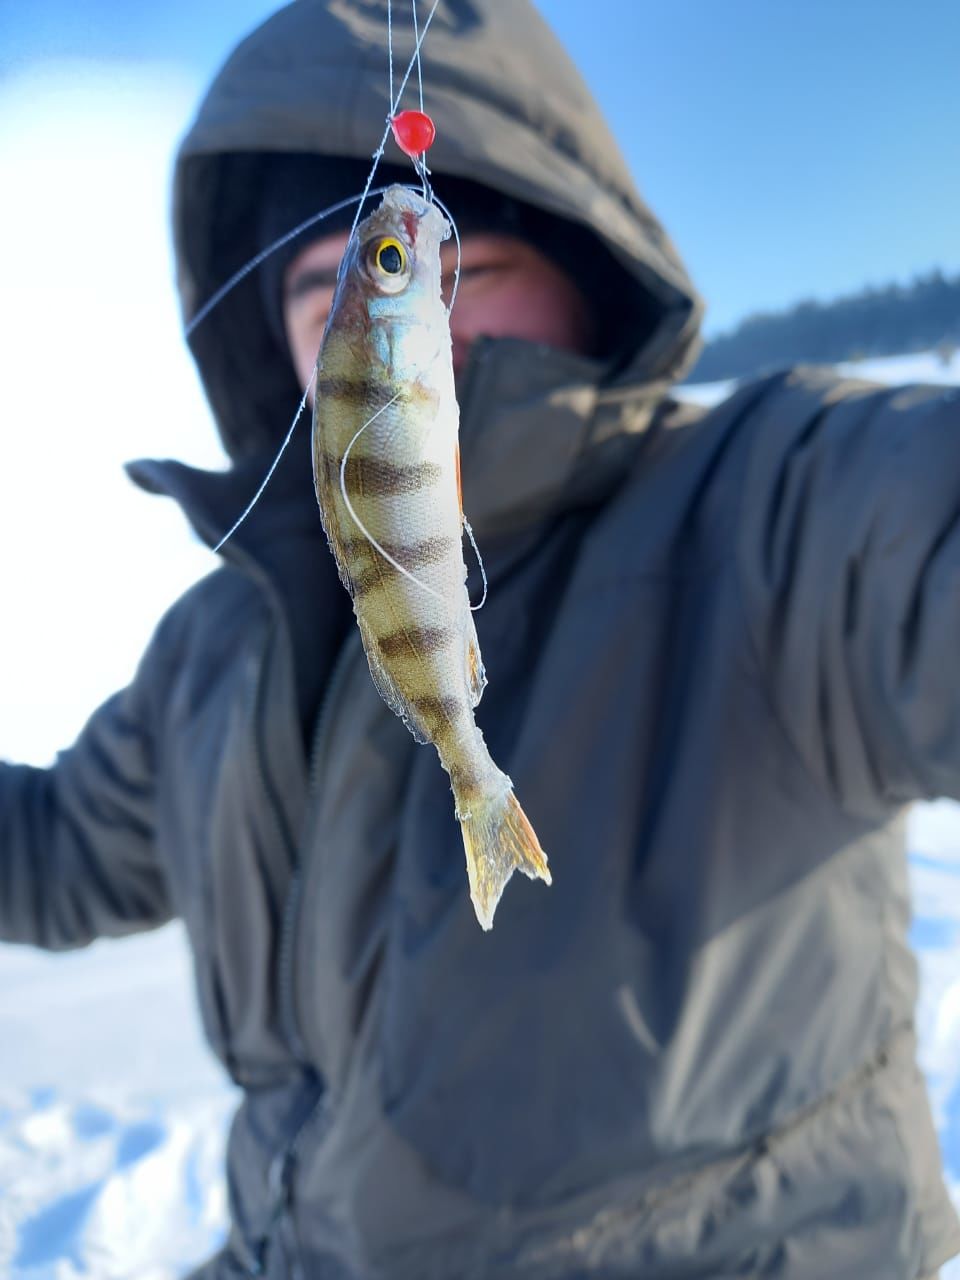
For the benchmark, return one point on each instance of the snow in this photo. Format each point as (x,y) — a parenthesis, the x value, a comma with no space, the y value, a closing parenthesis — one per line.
(923,366)
(113,1114)
(94,373)
(707,394)
(935,875)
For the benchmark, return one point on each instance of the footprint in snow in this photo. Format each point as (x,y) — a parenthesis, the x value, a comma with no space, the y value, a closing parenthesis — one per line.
(54,1232)
(137,1141)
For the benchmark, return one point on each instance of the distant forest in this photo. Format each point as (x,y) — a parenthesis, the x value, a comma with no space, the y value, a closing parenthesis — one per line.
(892,320)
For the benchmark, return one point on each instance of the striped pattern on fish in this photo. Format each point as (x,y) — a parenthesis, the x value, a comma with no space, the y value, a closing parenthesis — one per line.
(385,435)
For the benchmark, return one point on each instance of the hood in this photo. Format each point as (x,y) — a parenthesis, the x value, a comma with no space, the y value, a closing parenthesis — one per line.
(512,113)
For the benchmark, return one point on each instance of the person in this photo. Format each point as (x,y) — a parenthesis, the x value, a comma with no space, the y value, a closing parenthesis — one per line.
(720,648)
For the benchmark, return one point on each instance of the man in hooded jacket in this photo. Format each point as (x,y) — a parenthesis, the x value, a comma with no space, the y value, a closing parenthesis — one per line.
(721,650)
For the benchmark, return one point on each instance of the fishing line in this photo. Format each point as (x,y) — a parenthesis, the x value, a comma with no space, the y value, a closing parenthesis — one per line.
(390,46)
(284,239)
(373,541)
(311,221)
(483,572)
(262,256)
(356,519)
(416,37)
(428,194)
(220,295)
(453,297)
(435,199)
(343,204)
(343,463)
(273,466)
(394,103)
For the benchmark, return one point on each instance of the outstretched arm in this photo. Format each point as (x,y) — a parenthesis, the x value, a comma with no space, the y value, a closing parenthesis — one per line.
(849,552)
(77,856)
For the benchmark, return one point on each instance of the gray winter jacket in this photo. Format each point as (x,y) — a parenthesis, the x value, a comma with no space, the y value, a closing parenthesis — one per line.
(721,650)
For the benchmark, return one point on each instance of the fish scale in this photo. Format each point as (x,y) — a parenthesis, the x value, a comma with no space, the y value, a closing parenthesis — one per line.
(386,469)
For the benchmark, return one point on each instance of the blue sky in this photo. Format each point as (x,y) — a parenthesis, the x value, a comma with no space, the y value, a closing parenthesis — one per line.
(793,148)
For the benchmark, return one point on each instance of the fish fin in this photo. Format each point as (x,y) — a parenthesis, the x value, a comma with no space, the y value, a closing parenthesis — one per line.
(476,675)
(386,686)
(331,528)
(498,840)
(329,516)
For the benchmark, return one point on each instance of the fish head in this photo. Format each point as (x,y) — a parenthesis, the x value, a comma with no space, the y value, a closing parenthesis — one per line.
(391,268)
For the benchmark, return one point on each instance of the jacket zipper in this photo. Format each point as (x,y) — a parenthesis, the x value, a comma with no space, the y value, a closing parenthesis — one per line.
(248,565)
(316,1107)
(254,682)
(291,913)
(278,828)
(288,1022)
(319,1110)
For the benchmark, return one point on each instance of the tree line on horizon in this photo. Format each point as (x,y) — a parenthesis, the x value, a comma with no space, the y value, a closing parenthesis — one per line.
(889,320)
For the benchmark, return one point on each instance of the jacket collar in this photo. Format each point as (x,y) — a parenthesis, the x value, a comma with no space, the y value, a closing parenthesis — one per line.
(540,432)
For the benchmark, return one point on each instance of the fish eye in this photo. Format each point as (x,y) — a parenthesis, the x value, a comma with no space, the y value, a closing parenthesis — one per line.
(390,257)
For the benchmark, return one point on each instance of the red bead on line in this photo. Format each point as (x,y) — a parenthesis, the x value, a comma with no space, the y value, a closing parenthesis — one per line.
(414,132)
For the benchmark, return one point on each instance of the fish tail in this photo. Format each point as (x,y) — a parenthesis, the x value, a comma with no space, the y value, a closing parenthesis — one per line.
(498,840)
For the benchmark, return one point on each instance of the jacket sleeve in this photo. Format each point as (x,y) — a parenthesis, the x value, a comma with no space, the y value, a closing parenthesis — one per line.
(77,853)
(849,557)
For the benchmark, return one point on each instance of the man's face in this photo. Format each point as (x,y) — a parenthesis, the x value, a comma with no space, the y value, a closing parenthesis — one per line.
(508,289)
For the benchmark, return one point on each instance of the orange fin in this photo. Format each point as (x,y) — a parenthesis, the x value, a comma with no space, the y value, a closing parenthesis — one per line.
(498,840)
(476,676)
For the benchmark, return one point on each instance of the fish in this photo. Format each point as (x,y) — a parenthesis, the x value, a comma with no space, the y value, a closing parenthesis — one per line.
(386,467)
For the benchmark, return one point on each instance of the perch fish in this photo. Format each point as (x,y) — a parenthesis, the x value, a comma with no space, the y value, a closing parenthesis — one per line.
(386,465)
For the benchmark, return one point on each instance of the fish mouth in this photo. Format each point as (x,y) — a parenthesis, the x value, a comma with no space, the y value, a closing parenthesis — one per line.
(403,209)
